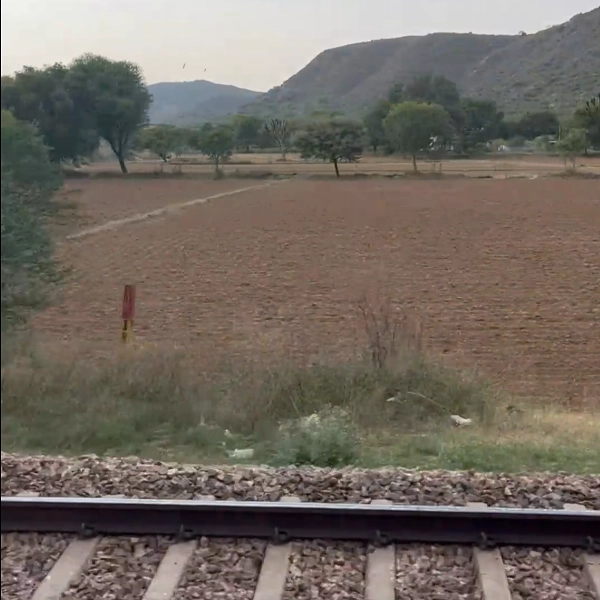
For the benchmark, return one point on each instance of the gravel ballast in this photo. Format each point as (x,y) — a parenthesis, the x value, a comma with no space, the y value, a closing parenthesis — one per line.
(26,560)
(222,568)
(326,569)
(131,477)
(435,573)
(121,569)
(539,573)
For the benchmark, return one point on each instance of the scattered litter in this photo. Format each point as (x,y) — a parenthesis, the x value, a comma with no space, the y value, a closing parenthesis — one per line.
(461,421)
(241,453)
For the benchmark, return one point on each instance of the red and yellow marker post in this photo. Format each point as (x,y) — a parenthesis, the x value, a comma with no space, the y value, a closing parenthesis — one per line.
(128,313)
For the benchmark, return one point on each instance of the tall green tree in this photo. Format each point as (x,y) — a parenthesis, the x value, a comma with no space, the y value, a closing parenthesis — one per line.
(535,124)
(482,121)
(412,126)
(374,123)
(43,97)
(436,89)
(115,95)
(29,180)
(396,94)
(334,140)
(588,117)
(246,131)
(163,140)
(216,143)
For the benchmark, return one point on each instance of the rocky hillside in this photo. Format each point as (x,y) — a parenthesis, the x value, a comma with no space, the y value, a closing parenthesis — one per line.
(190,102)
(552,69)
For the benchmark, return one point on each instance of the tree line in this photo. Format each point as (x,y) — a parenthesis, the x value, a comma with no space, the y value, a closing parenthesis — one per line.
(426,115)
(76,106)
(409,119)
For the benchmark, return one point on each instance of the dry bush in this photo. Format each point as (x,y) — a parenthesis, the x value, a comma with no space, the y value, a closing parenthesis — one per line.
(390,334)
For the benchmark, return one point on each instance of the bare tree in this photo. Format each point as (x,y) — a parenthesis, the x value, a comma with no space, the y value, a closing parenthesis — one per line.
(389,333)
(280,132)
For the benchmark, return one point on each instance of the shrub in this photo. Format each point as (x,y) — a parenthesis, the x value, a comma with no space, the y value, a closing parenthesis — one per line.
(327,438)
(29,181)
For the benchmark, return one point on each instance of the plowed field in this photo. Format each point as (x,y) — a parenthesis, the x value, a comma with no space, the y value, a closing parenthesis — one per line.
(503,275)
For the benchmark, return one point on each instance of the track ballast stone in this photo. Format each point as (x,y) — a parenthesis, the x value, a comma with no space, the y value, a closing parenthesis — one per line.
(326,569)
(222,568)
(121,569)
(90,476)
(545,574)
(433,572)
(26,559)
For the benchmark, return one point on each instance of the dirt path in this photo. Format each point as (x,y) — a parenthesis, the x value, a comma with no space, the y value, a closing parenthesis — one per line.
(169,208)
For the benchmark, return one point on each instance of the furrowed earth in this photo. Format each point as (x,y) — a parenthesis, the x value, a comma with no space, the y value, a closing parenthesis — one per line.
(502,275)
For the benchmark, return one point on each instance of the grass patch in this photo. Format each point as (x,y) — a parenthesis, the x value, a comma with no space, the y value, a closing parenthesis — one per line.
(152,402)
(392,406)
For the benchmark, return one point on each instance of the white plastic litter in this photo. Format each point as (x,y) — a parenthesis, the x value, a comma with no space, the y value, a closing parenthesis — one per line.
(241,453)
(460,421)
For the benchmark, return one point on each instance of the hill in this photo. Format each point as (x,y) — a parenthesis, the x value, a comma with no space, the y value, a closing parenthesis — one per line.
(188,102)
(552,69)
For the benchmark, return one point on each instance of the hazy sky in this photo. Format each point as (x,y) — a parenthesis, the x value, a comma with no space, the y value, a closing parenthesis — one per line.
(255,44)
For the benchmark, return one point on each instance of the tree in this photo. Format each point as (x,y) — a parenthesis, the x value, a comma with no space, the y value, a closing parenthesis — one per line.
(588,117)
(374,123)
(396,93)
(571,145)
(411,126)
(115,95)
(436,90)
(533,125)
(482,121)
(43,97)
(280,131)
(247,131)
(216,143)
(334,140)
(163,140)
(29,181)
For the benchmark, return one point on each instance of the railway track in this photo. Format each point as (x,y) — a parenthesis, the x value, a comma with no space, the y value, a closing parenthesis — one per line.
(80,548)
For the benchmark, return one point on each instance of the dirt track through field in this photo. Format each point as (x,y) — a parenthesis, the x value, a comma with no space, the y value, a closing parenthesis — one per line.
(170,208)
(503,275)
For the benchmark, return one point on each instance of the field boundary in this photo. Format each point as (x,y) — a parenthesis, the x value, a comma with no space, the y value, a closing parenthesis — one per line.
(137,217)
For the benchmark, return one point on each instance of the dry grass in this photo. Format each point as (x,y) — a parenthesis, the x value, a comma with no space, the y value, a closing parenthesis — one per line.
(154,401)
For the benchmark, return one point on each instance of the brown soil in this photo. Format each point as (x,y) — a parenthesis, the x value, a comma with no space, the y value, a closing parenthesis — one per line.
(107,199)
(503,275)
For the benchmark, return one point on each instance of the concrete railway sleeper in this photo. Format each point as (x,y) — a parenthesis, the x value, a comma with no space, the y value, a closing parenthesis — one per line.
(54,566)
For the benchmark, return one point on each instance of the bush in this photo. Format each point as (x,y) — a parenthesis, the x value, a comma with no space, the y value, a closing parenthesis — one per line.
(324,439)
(572,144)
(29,181)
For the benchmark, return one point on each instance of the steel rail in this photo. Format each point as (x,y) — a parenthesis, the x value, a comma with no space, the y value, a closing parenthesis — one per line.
(305,520)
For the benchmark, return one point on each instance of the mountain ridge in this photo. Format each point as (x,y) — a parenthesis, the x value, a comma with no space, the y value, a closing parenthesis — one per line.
(552,69)
(188,102)
(510,69)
